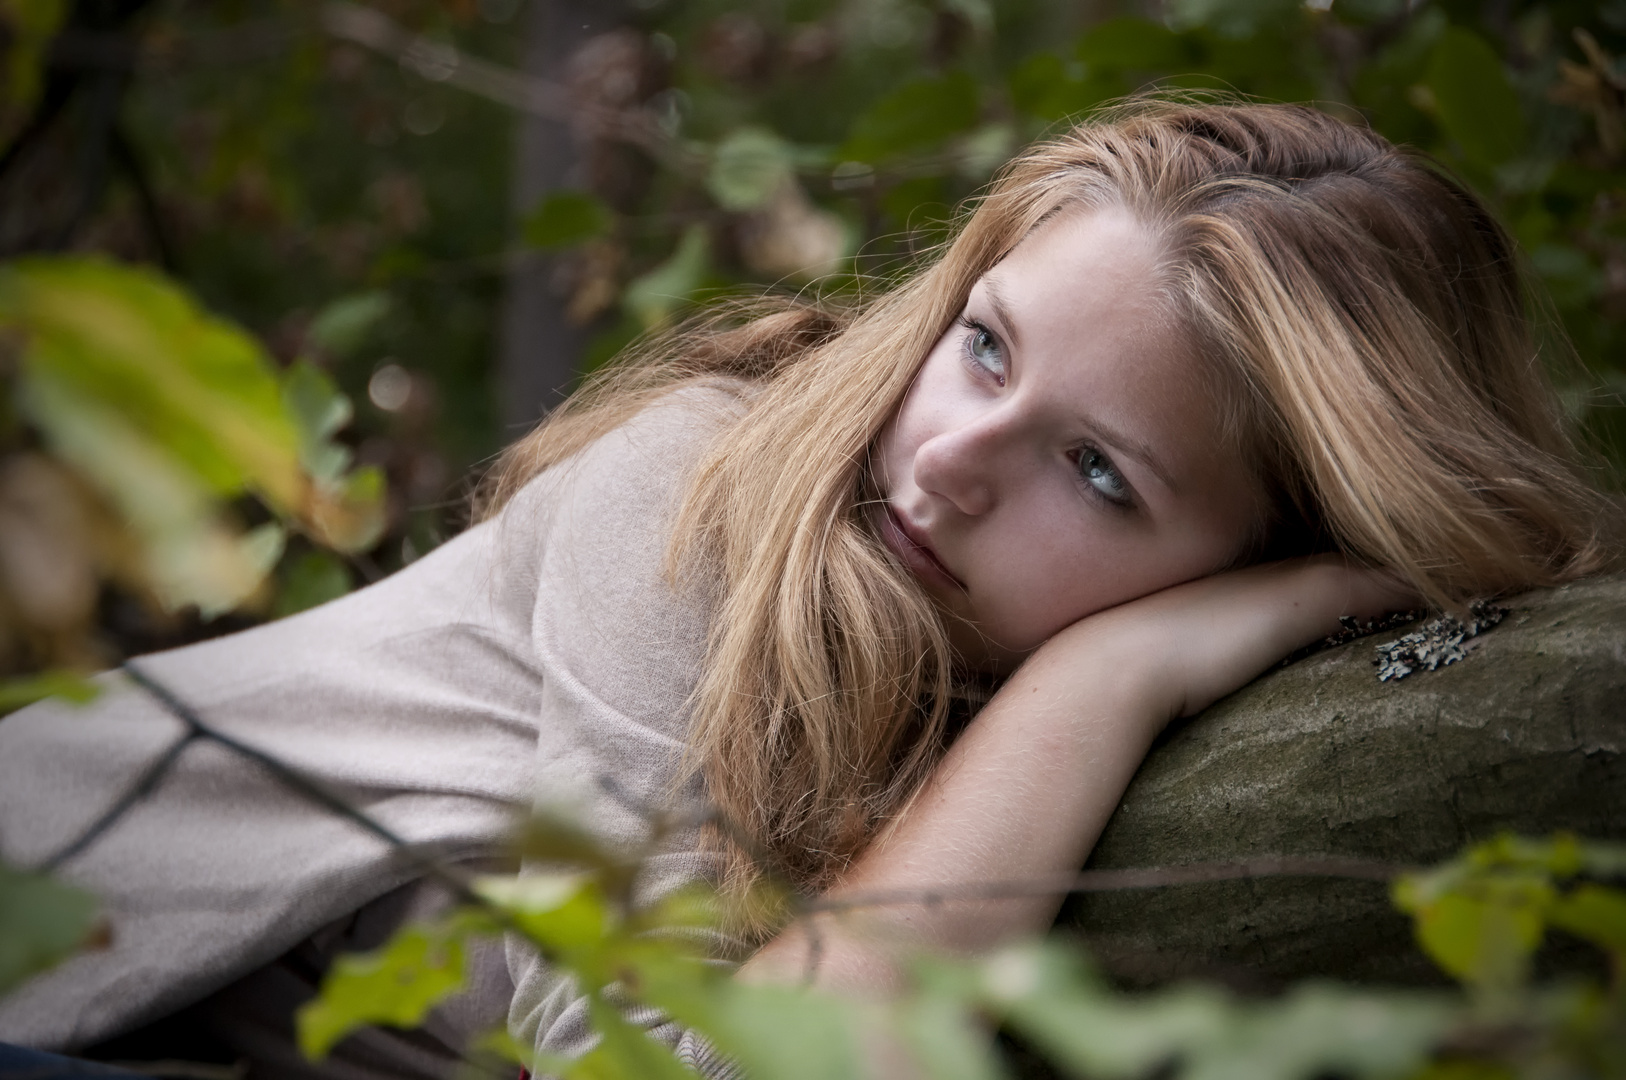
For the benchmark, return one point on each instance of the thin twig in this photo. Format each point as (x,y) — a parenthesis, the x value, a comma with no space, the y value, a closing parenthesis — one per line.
(1086,882)
(438,61)
(311,788)
(144,786)
(1090,881)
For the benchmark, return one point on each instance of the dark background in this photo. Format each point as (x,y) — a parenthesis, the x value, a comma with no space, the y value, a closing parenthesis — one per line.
(456,208)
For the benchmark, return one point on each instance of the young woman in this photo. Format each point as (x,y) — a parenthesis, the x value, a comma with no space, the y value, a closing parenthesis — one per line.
(1191,382)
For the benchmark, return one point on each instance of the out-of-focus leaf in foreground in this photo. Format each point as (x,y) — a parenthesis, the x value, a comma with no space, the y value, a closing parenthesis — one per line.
(396,984)
(41,922)
(1045,992)
(67,685)
(1482,916)
(169,413)
(29,25)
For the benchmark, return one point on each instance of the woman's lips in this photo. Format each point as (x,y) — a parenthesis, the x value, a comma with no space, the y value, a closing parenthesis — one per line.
(907,544)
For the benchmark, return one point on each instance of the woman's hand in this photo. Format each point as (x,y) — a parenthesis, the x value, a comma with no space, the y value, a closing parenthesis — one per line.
(1023,793)
(1190,645)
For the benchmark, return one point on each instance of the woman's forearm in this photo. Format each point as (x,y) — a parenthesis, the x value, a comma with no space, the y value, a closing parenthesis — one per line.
(1020,797)
(1024,793)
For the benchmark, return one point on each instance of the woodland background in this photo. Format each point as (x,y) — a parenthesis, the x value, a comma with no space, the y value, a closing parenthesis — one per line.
(276,278)
(416,223)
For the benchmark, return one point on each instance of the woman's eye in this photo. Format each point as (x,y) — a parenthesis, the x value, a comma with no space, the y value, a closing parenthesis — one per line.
(1098,471)
(984,350)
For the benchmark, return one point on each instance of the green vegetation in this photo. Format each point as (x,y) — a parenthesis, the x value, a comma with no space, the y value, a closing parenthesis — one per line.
(1480,917)
(334,181)
(331,217)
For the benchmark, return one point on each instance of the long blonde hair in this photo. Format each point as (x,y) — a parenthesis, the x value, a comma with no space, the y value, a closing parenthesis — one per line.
(1366,323)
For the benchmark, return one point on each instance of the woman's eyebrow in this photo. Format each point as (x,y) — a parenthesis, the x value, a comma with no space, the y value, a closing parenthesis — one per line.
(996,300)
(1140,451)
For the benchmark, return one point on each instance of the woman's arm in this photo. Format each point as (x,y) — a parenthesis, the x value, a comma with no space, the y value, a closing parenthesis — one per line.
(1026,790)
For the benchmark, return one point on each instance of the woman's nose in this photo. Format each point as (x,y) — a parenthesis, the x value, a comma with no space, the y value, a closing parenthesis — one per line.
(960,465)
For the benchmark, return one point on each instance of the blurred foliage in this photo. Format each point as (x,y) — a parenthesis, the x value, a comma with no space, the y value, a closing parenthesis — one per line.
(325,187)
(333,179)
(41,921)
(151,422)
(1480,917)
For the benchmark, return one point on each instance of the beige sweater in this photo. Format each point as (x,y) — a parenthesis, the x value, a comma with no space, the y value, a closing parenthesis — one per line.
(521,662)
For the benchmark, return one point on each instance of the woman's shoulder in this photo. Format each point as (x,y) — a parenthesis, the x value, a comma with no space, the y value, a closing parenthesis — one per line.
(621,640)
(641,464)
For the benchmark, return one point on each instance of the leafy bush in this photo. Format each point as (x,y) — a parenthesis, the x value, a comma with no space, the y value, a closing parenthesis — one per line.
(152,449)
(154,420)
(1480,917)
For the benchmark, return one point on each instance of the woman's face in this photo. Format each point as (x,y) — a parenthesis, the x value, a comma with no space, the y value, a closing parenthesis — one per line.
(1058,453)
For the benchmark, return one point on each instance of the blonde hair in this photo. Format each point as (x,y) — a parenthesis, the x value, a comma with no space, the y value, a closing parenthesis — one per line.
(1366,322)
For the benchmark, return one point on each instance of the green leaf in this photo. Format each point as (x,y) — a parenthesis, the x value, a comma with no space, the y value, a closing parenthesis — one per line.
(1050,88)
(396,985)
(1561,855)
(67,685)
(652,298)
(500,1044)
(1475,104)
(194,387)
(1595,913)
(1235,19)
(42,922)
(562,913)
(170,412)
(1603,858)
(565,219)
(1485,938)
(947,1041)
(318,411)
(624,1051)
(778,1031)
(1128,43)
(1111,1038)
(748,168)
(555,835)
(1048,994)
(190,552)
(349,516)
(310,581)
(1321,1029)
(1482,915)
(31,25)
(342,326)
(918,114)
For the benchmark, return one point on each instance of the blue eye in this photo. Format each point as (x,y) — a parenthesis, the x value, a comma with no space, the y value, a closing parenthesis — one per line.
(983,349)
(1097,470)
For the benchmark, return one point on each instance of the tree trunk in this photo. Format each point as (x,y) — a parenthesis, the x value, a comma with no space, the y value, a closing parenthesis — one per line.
(1526,733)
(540,349)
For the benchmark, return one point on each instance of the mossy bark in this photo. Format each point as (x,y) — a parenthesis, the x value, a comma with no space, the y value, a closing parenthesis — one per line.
(1319,758)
